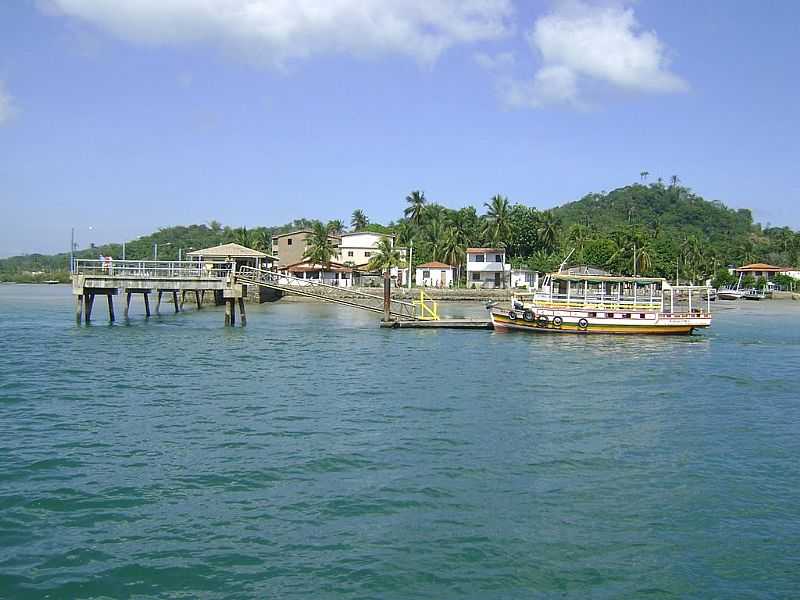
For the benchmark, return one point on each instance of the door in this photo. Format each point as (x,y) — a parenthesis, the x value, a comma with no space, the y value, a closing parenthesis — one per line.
(443,278)
(497,280)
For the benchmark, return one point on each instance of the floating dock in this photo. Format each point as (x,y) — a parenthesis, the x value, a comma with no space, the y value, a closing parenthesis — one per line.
(440,324)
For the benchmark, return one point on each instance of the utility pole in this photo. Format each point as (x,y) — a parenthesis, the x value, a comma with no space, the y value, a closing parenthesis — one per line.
(123,250)
(72,252)
(155,250)
(634,259)
(410,259)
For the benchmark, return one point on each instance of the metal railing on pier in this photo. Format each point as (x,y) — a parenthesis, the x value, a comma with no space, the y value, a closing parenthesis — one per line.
(347,296)
(152,269)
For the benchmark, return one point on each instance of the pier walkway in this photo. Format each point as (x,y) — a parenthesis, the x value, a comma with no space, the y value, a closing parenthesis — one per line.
(398,309)
(109,278)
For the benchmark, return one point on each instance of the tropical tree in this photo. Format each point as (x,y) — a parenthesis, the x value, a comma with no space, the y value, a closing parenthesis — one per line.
(320,248)
(434,235)
(498,220)
(242,236)
(262,240)
(644,175)
(578,235)
(359,220)
(673,181)
(386,257)
(454,250)
(416,206)
(336,226)
(548,232)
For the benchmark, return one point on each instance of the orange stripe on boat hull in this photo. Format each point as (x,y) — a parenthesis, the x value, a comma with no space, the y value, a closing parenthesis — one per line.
(521,325)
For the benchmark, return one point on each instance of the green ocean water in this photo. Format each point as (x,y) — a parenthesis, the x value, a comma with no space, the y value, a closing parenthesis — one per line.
(314,455)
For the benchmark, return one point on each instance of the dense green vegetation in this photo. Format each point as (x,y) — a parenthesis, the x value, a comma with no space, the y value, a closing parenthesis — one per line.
(665,227)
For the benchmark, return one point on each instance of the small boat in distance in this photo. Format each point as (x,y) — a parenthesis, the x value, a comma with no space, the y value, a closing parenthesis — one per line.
(731,293)
(754,294)
(570,303)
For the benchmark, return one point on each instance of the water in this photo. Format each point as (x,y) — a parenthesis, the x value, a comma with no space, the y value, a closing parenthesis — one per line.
(314,455)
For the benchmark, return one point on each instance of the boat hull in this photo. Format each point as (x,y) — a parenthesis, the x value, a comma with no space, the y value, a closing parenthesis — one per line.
(502,321)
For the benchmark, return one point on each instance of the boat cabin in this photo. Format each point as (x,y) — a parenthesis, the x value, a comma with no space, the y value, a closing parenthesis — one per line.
(624,295)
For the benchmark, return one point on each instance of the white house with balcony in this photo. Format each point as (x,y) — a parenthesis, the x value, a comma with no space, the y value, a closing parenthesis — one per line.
(487,268)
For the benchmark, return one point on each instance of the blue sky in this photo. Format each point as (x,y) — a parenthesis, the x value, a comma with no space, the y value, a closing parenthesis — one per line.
(128,116)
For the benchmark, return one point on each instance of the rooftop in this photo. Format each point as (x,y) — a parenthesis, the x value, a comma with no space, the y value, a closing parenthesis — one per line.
(229,251)
(762,267)
(434,265)
(481,250)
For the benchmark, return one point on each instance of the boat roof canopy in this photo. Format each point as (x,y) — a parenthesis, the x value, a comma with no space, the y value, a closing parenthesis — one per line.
(609,278)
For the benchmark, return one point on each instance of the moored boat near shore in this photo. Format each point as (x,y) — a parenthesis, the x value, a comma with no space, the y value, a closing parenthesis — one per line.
(607,304)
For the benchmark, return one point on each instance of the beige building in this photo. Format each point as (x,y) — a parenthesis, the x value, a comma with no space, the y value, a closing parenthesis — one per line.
(289,248)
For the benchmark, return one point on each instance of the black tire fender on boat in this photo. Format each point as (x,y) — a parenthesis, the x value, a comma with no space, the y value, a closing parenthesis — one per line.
(512,315)
(528,315)
(583,323)
(543,321)
(558,321)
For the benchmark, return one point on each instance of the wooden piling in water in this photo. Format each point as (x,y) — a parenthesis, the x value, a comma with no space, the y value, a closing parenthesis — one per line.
(78,308)
(242,312)
(88,303)
(175,301)
(127,304)
(158,303)
(110,299)
(197,299)
(146,296)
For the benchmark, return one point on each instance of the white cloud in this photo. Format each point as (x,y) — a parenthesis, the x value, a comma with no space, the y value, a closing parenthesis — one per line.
(581,43)
(6,105)
(277,31)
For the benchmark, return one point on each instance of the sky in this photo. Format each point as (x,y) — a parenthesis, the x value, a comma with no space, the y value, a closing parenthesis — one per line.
(117,118)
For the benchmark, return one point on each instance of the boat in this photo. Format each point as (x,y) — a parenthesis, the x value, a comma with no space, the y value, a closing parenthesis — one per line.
(754,294)
(731,293)
(570,303)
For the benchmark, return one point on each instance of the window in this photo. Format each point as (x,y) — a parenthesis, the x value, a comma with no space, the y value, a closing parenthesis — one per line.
(641,316)
(288,241)
(349,253)
(476,277)
(367,254)
(626,316)
(498,258)
(426,274)
(479,258)
(592,314)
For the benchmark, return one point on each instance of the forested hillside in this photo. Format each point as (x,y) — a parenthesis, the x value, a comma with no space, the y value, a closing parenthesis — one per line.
(665,227)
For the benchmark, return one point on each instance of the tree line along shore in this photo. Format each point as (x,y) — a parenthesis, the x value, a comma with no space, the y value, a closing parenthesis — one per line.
(653,229)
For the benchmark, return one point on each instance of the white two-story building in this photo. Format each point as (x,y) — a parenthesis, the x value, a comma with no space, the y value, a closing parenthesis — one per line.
(357,248)
(487,268)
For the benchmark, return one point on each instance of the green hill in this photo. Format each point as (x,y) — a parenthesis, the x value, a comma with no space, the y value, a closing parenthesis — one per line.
(664,227)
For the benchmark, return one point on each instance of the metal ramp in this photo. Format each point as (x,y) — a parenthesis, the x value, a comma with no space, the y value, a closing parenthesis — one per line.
(399,309)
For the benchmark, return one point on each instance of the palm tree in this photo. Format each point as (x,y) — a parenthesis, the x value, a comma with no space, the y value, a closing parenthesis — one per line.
(578,235)
(262,241)
(644,259)
(320,248)
(386,257)
(434,234)
(404,232)
(453,250)
(673,181)
(498,220)
(336,227)
(242,236)
(359,220)
(414,210)
(644,175)
(548,232)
